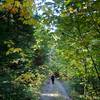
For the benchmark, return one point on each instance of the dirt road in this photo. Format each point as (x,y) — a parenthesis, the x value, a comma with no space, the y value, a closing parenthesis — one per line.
(53,91)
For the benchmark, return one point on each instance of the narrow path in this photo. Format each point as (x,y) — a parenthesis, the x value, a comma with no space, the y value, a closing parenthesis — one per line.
(54,91)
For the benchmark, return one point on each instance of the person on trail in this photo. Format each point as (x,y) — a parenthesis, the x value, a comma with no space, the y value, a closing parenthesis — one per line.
(52,79)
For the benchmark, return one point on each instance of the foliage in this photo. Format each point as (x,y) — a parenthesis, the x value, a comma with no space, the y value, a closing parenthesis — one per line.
(75,50)
(17,25)
(60,36)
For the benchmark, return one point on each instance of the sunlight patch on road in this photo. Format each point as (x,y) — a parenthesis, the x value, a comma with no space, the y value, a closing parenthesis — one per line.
(53,95)
(50,94)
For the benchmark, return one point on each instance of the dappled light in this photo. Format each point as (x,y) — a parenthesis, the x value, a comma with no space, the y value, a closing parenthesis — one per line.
(51,94)
(54,91)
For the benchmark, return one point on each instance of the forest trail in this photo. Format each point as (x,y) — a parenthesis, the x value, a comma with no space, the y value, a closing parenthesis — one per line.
(54,91)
